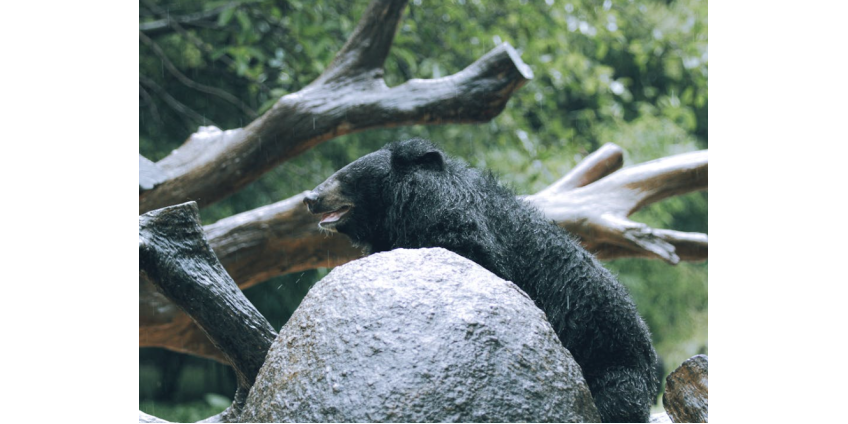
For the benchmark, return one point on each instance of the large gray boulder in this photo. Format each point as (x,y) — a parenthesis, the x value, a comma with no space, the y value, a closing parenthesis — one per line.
(418,335)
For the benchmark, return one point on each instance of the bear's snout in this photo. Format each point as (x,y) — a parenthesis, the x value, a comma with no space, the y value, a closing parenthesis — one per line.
(309,199)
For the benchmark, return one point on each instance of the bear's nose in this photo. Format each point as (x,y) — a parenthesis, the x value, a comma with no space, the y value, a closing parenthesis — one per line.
(310,198)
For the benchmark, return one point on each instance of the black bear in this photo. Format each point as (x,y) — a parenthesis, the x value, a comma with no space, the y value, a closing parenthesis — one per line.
(411,195)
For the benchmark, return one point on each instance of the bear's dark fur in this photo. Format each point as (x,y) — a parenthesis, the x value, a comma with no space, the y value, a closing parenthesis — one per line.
(410,195)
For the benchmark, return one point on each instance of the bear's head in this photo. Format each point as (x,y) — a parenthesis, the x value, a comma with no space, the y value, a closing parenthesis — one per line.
(357,199)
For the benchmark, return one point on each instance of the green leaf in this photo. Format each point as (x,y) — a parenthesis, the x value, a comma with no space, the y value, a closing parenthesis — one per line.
(243,20)
(225,16)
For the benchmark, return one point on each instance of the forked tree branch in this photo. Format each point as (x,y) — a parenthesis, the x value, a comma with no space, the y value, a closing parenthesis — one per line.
(597,211)
(592,201)
(350,96)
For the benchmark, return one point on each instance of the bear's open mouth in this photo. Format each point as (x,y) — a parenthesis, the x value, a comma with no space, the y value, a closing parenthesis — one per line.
(335,216)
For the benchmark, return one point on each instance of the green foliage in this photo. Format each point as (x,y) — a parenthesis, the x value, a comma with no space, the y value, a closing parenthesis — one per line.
(632,72)
(673,302)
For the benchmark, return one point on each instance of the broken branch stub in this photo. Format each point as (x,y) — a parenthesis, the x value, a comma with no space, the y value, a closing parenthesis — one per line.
(253,246)
(687,390)
(175,257)
(350,96)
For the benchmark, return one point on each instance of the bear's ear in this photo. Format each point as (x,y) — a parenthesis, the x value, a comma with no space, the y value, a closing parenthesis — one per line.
(427,159)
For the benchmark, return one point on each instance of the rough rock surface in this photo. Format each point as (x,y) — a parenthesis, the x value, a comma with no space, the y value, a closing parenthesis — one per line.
(418,335)
(686,391)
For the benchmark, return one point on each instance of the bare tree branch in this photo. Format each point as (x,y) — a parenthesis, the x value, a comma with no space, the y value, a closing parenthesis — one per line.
(163,26)
(154,111)
(188,114)
(200,44)
(188,82)
(689,247)
(597,165)
(348,98)
(276,239)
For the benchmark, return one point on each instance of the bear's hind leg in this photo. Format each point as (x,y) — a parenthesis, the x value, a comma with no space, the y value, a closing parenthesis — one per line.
(622,394)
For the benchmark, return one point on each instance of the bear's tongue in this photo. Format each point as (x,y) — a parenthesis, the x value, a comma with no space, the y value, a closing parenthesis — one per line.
(334,215)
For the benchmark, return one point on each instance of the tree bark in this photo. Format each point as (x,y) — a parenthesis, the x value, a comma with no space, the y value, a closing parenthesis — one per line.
(350,96)
(686,392)
(175,257)
(591,202)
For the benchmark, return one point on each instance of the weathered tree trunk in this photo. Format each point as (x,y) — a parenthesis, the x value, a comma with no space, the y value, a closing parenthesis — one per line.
(592,202)
(174,256)
(349,96)
(686,392)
